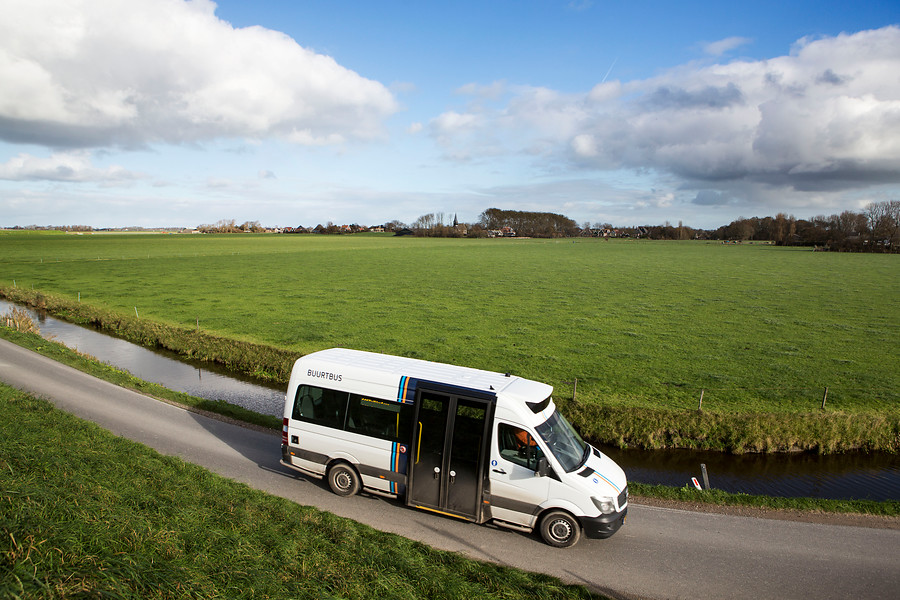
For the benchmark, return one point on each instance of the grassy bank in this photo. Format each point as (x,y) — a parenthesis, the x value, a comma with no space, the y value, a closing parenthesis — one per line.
(262,362)
(829,431)
(88,364)
(109,518)
(823,431)
(686,494)
(691,496)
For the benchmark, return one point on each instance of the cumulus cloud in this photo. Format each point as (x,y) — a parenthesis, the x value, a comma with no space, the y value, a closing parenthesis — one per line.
(722,46)
(136,72)
(492,91)
(72,167)
(825,117)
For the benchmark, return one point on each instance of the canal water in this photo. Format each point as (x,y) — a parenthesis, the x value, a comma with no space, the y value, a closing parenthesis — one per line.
(841,476)
(196,378)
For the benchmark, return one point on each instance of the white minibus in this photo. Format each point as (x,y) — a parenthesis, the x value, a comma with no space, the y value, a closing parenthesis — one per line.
(462,442)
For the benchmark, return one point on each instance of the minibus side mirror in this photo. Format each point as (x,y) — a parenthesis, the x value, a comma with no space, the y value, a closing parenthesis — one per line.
(543,467)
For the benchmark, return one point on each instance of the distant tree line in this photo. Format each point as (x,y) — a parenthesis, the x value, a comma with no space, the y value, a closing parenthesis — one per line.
(52,228)
(529,224)
(230,226)
(436,225)
(875,229)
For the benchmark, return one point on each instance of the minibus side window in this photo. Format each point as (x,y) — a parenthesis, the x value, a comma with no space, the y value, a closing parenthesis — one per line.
(379,418)
(320,406)
(517,446)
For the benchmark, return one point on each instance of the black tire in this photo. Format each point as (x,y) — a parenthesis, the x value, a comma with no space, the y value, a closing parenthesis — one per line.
(343,480)
(560,529)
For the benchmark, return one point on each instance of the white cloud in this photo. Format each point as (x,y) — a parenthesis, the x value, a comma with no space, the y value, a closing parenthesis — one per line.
(826,117)
(584,145)
(135,72)
(73,167)
(722,46)
(493,91)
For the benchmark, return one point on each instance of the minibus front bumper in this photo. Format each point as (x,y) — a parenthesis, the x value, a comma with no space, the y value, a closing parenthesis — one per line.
(604,525)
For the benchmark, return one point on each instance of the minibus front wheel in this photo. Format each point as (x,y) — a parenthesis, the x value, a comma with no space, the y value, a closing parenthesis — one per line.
(343,479)
(560,529)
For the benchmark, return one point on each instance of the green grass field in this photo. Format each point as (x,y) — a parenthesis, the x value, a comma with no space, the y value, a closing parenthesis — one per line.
(109,518)
(758,328)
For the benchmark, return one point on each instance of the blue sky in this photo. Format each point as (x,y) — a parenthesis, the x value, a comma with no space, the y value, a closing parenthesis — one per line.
(172,113)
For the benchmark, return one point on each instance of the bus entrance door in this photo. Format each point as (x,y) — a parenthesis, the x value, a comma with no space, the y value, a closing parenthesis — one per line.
(450,442)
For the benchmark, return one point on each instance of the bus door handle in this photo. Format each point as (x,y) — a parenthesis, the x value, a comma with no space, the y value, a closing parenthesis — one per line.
(452,476)
(437,471)
(419,445)
(501,471)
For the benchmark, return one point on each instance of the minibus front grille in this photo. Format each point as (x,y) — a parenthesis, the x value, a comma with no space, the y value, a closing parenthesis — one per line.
(623,497)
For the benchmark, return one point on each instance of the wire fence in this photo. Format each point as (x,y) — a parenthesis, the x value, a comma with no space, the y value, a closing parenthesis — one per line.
(811,397)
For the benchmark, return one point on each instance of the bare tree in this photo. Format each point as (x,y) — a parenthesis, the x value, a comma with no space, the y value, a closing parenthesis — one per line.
(883,219)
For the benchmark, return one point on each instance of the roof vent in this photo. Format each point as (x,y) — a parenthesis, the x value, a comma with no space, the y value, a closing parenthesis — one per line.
(508,375)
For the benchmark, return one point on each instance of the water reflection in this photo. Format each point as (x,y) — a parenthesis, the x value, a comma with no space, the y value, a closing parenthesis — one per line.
(167,369)
(860,476)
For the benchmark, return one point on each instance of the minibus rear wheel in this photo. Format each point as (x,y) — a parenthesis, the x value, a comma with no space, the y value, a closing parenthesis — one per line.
(343,480)
(560,529)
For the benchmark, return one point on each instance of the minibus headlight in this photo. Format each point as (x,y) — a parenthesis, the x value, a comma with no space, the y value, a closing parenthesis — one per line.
(605,505)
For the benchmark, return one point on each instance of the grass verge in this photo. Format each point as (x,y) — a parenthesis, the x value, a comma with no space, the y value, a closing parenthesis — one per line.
(685,494)
(690,495)
(87,514)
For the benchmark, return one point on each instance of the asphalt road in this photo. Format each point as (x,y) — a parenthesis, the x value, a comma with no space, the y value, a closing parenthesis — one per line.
(659,553)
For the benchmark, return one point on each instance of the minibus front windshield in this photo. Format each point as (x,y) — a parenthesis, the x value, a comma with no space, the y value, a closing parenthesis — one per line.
(564,442)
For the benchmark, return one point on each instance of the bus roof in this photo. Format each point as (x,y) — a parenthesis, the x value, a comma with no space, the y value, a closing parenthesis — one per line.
(514,387)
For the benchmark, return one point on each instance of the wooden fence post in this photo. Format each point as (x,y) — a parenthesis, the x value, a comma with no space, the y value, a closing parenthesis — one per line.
(825,397)
(700,404)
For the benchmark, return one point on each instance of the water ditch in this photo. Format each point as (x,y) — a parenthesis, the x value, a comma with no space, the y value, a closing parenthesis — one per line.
(874,476)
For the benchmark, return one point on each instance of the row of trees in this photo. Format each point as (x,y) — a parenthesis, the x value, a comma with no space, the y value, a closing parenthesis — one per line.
(529,224)
(230,226)
(875,229)
(523,223)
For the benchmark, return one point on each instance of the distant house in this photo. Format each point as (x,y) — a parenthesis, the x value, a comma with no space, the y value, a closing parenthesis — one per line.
(404,231)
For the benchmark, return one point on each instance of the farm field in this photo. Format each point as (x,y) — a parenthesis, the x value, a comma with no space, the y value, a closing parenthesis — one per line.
(632,320)
(648,324)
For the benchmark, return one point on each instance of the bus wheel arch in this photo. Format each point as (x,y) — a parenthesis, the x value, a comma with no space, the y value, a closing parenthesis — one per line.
(343,479)
(559,528)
